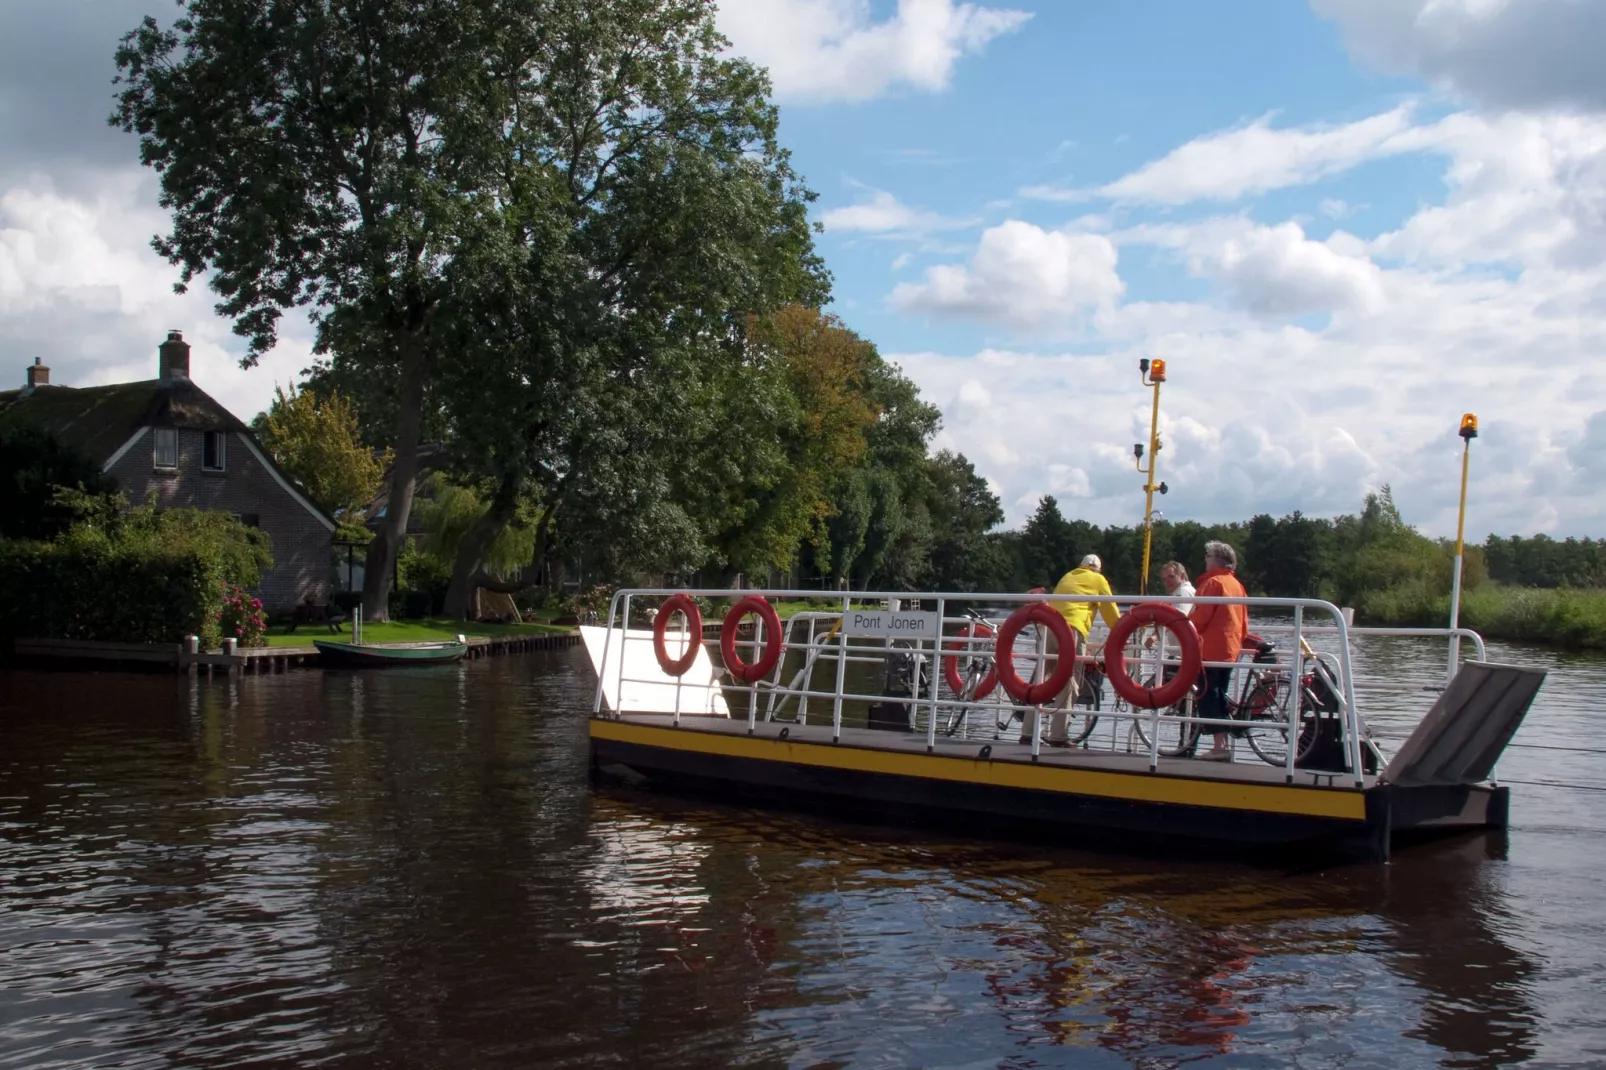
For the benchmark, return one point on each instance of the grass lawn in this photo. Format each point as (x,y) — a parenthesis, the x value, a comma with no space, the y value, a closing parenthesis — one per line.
(819,605)
(407,631)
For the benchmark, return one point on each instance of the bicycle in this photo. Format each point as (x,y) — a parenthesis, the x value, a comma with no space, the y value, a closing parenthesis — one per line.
(977,664)
(1262,704)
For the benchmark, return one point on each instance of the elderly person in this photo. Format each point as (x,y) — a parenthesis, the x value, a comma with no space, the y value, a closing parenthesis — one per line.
(1086,578)
(1221,635)
(1174,574)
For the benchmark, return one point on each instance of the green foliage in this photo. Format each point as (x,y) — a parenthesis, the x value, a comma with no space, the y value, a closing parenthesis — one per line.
(447,510)
(139,575)
(315,440)
(34,466)
(422,571)
(1541,561)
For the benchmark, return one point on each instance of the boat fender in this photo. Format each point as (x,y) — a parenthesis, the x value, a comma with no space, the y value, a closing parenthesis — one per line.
(677,603)
(760,668)
(950,664)
(1004,658)
(1172,620)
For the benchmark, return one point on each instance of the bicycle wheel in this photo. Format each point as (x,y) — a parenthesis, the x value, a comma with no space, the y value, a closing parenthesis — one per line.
(1179,736)
(1266,710)
(975,672)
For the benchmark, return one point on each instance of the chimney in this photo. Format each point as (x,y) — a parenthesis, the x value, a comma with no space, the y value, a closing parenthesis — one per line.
(38,374)
(173,360)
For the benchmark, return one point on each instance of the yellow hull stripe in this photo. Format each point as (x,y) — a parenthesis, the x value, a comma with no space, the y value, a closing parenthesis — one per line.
(1137,787)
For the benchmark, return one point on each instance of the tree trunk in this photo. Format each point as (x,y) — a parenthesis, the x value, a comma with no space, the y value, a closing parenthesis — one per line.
(377,577)
(469,563)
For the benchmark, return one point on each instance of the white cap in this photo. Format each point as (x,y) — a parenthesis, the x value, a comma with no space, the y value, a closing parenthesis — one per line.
(1092,561)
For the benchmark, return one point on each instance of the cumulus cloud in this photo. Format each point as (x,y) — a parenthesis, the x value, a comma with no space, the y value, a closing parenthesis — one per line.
(1277,271)
(1507,54)
(831,50)
(885,215)
(1272,270)
(1250,159)
(1021,275)
(1523,189)
(81,289)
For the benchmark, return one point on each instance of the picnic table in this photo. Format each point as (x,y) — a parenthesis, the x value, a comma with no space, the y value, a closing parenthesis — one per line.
(311,613)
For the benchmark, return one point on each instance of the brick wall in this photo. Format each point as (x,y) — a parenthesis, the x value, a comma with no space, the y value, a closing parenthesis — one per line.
(302,562)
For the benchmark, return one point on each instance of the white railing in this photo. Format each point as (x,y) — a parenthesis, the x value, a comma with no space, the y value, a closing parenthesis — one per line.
(816,635)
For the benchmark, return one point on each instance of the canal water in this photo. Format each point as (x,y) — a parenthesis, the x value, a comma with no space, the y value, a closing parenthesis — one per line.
(412,869)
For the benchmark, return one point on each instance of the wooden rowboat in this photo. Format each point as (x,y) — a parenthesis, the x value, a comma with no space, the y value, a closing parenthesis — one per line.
(358,656)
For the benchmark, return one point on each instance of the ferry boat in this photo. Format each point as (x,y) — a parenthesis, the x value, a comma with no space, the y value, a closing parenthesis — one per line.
(918,707)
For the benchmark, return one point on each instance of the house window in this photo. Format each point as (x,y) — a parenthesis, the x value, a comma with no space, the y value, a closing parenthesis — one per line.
(166,447)
(212,453)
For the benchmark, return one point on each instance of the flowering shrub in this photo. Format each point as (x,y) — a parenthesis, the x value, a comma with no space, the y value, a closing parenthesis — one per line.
(242,618)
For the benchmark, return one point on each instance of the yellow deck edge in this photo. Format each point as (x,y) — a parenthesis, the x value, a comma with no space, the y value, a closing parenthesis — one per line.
(1341,803)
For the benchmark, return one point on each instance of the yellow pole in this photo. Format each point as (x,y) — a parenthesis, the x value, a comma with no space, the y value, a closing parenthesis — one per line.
(1468,432)
(1461,521)
(1156,375)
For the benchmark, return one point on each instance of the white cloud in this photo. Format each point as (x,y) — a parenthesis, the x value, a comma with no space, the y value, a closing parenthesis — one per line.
(884,214)
(829,50)
(81,289)
(1523,189)
(1271,271)
(1277,271)
(1249,159)
(1504,53)
(1020,275)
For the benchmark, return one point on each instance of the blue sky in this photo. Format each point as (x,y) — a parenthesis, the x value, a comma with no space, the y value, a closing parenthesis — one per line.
(1343,223)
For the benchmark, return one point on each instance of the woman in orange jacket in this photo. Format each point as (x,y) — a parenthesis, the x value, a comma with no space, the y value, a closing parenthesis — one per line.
(1221,635)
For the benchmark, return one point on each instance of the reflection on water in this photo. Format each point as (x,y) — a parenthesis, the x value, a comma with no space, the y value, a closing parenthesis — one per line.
(412,869)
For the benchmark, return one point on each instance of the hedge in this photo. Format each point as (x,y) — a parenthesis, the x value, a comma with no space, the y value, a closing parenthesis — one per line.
(107,592)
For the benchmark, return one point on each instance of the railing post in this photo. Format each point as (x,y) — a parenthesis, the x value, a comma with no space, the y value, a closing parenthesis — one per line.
(1352,716)
(624,643)
(602,667)
(841,672)
(809,657)
(936,680)
(1295,693)
(752,687)
(685,633)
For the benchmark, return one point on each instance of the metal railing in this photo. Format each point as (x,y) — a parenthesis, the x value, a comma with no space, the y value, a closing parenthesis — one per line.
(823,642)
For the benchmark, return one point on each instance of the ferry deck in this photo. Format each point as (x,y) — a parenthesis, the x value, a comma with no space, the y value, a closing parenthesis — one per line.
(877,708)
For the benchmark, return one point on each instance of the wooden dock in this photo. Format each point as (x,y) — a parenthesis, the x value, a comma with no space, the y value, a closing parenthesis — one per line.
(252,660)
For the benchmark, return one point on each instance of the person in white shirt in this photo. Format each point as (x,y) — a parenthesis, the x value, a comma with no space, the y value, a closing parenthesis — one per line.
(1175,577)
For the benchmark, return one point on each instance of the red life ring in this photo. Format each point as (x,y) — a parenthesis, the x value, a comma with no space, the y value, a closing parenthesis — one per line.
(1004,656)
(950,664)
(677,603)
(1172,620)
(739,669)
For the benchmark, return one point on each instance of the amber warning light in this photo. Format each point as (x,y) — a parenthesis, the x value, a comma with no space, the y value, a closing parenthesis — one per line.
(1157,371)
(1469,426)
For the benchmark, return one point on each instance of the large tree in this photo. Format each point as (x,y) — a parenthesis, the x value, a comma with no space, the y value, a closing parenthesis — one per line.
(315,440)
(396,164)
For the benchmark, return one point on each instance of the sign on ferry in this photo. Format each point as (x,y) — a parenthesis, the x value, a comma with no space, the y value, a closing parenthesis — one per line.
(889,624)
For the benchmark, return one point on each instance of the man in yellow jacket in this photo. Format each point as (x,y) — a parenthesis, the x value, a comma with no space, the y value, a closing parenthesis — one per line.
(1087,578)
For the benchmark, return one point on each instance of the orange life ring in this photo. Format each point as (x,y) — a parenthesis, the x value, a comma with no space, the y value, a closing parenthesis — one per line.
(1172,620)
(677,603)
(765,612)
(950,664)
(1004,656)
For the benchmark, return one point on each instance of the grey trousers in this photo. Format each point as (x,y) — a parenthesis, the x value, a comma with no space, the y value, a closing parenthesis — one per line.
(1062,702)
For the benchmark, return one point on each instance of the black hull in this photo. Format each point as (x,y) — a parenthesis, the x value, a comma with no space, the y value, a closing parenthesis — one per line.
(1151,818)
